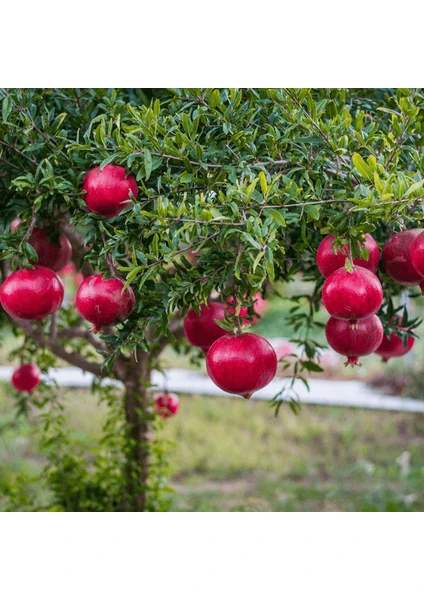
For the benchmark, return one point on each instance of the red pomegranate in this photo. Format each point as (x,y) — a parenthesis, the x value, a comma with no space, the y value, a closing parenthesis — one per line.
(352,296)
(202,330)
(32,294)
(392,346)
(353,343)
(167,405)
(108,190)
(241,364)
(26,377)
(259,306)
(102,302)
(417,254)
(328,261)
(51,255)
(15,224)
(397,257)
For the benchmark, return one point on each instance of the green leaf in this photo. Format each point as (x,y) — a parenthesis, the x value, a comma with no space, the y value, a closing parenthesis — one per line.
(309,365)
(269,264)
(414,187)
(246,236)
(147,163)
(348,265)
(313,210)
(361,166)
(215,99)
(156,107)
(276,216)
(6,108)
(263,182)
(107,161)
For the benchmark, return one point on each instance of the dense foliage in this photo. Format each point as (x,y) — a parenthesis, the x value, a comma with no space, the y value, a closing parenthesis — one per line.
(248,179)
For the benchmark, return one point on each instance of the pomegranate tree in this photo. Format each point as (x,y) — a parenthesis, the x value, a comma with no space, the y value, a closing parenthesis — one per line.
(26,377)
(329,260)
(352,296)
(354,343)
(241,364)
(190,197)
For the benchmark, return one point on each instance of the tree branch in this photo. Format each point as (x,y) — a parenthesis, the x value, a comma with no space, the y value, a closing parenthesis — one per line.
(78,248)
(86,334)
(71,357)
(176,328)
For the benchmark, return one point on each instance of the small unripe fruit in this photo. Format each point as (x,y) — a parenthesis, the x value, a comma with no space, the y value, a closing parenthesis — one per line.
(397,257)
(353,343)
(352,296)
(108,190)
(167,405)
(26,377)
(50,255)
(201,330)
(103,302)
(241,364)
(328,261)
(32,294)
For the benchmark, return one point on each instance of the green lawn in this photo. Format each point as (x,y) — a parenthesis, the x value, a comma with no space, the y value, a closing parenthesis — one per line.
(234,455)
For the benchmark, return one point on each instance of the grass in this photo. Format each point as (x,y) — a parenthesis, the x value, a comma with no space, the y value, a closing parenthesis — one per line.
(234,455)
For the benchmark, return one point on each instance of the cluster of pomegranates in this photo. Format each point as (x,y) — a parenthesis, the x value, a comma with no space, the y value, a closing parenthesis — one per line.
(238,364)
(33,294)
(353,297)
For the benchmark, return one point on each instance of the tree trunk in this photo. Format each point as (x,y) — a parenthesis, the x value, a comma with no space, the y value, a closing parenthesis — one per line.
(138,418)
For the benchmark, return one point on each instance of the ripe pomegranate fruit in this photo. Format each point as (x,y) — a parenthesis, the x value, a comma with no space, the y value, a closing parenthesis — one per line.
(417,254)
(353,343)
(392,345)
(26,377)
(101,301)
(201,330)
(328,261)
(241,364)
(352,296)
(32,294)
(259,306)
(397,258)
(107,190)
(15,224)
(50,255)
(167,405)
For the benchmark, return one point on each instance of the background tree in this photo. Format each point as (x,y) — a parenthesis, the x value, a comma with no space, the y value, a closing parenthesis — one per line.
(249,179)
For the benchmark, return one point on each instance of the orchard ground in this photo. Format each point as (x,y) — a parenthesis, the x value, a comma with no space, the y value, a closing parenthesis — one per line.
(234,455)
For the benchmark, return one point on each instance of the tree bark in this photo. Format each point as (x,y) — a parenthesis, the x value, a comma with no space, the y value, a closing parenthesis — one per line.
(138,417)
